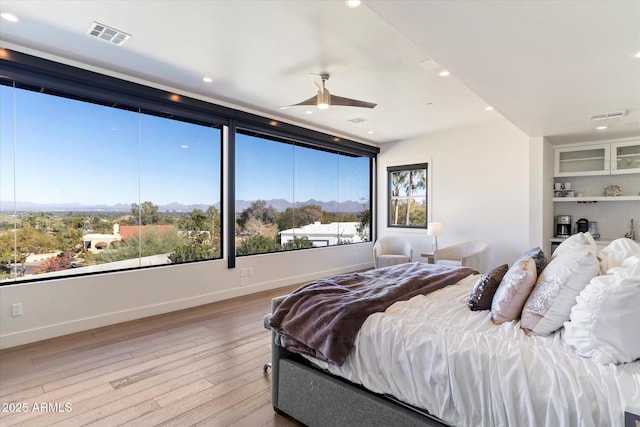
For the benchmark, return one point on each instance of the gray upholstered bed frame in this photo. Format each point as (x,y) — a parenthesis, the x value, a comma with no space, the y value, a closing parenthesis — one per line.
(317,398)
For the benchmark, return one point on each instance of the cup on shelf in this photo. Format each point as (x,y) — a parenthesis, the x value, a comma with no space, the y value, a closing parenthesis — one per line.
(568,185)
(558,186)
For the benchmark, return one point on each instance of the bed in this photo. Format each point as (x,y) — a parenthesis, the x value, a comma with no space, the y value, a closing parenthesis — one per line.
(428,359)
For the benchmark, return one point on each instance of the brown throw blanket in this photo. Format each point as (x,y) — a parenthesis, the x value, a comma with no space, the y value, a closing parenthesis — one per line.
(322,318)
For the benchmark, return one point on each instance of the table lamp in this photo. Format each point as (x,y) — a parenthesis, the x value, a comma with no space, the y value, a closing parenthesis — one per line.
(435,229)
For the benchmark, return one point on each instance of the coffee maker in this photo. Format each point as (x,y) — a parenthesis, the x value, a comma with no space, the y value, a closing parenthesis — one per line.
(563,226)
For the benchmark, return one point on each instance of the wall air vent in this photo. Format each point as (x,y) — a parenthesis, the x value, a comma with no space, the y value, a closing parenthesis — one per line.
(108,34)
(611,115)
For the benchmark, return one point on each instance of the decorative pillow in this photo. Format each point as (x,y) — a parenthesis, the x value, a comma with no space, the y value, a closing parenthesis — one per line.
(604,322)
(484,289)
(538,257)
(512,293)
(579,240)
(550,302)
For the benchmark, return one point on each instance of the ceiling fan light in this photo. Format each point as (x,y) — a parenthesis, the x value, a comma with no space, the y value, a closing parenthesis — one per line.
(324,99)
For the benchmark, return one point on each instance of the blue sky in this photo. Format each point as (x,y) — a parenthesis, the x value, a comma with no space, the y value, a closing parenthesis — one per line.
(73,152)
(272,170)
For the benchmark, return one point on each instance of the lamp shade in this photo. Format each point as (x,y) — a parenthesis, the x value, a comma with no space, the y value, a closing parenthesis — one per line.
(434,229)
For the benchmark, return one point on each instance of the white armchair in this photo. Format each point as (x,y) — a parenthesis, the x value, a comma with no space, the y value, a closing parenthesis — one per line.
(391,250)
(470,254)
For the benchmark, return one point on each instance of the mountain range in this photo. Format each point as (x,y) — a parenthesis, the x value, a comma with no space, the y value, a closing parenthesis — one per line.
(278,204)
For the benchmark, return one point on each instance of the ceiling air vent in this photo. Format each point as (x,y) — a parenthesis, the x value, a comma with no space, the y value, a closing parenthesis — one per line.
(358,120)
(611,115)
(108,34)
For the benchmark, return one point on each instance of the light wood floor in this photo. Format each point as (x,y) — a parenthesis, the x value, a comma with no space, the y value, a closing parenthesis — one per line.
(201,366)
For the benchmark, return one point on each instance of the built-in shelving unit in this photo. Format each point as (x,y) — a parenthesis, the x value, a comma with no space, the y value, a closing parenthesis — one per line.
(582,173)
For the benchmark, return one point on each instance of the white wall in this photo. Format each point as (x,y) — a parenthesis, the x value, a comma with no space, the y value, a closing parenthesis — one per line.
(58,307)
(480,188)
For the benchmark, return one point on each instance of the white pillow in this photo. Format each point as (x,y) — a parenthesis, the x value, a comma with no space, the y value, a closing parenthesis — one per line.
(578,240)
(557,287)
(604,322)
(618,251)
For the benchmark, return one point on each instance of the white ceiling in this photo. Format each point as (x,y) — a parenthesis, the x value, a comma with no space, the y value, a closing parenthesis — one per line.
(546,66)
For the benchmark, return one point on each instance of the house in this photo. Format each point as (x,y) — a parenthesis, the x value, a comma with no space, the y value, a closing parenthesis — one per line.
(319,234)
(543,68)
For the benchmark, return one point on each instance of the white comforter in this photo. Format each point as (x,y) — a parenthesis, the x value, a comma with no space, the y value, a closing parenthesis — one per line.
(434,353)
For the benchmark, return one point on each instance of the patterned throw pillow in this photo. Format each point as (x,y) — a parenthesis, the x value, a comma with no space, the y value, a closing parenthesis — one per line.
(513,291)
(550,302)
(484,289)
(538,257)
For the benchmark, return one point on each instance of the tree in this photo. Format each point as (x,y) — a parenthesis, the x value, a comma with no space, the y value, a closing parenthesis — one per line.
(27,241)
(197,226)
(259,211)
(147,213)
(193,252)
(258,244)
(297,217)
(214,222)
(297,243)
(365,221)
(398,182)
(417,180)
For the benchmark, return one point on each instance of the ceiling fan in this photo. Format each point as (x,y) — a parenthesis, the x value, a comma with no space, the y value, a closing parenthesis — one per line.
(323,99)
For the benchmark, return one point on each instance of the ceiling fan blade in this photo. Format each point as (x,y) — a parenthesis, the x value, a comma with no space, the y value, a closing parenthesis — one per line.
(348,102)
(311,101)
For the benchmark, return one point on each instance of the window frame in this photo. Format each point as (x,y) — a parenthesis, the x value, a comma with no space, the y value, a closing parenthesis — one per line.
(390,191)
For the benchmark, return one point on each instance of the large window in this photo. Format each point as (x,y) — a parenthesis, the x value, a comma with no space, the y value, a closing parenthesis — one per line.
(86,187)
(292,196)
(102,174)
(407,205)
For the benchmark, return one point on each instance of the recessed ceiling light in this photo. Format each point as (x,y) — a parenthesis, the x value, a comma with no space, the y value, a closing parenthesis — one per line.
(308,112)
(9,17)
(489,108)
(371,132)
(444,73)
(352,4)
(207,79)
(637,55)
(601,127)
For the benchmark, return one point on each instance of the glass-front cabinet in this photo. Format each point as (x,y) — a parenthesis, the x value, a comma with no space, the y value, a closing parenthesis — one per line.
(583,160)
(606,158)
(625,157)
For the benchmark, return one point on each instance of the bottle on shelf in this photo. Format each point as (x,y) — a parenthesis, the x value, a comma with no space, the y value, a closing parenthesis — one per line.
(632,232)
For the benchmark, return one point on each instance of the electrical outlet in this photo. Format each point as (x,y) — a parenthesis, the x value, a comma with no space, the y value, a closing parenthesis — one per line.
(16,309)
(244,272)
